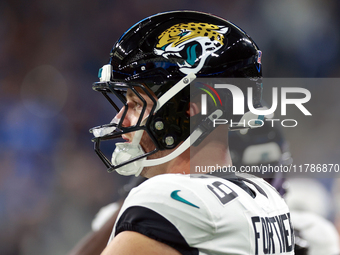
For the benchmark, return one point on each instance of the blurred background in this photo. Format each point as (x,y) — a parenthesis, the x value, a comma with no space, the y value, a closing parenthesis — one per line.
(51,182)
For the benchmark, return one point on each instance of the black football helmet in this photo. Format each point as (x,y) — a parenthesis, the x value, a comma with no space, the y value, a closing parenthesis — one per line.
(159,57)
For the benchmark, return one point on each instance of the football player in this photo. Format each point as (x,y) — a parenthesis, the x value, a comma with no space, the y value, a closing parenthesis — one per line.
(248,147)
(157,70)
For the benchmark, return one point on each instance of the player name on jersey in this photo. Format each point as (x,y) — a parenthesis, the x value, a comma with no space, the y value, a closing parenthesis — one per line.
(273,234)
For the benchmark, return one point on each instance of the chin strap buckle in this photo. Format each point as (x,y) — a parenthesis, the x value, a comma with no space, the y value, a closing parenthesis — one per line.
(207,125)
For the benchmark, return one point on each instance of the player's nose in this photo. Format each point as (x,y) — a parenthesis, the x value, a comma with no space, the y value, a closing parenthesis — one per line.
(121,114)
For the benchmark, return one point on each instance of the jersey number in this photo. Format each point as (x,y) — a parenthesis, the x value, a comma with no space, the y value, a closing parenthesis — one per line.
(222,192)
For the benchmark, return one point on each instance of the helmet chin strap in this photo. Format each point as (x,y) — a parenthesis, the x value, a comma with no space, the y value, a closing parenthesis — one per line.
(183,147)
(127,151)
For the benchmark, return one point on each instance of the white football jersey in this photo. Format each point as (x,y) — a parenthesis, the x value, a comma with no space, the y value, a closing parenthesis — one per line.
(205,214)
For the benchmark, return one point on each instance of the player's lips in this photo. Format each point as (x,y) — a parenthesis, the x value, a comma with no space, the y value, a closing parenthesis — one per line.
(127,139)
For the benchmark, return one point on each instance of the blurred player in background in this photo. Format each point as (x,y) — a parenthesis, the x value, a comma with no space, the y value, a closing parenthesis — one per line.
(166,132)
(95,241)
(267,145)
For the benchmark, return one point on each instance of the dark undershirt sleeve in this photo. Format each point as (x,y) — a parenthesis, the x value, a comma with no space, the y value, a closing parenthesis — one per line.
(151,224)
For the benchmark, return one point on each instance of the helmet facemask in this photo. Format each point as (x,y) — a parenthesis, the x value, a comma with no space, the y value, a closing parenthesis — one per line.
(129,157)
(125,152)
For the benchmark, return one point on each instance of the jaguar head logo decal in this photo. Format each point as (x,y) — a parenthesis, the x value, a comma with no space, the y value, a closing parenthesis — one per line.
(191,44)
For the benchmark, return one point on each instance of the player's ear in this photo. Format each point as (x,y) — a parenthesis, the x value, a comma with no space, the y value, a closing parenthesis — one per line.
(193,109)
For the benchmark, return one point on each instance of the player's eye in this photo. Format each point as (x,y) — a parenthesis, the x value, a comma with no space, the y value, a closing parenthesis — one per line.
(137,105)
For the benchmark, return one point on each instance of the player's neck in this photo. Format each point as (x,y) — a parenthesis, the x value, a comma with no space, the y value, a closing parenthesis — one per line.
(210,155)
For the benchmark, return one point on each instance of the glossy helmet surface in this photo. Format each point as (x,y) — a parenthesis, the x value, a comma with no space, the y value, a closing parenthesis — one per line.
(160,56)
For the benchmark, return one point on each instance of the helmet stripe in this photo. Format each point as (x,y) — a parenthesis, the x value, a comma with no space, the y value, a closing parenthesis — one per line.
(213,90)
(209,95)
